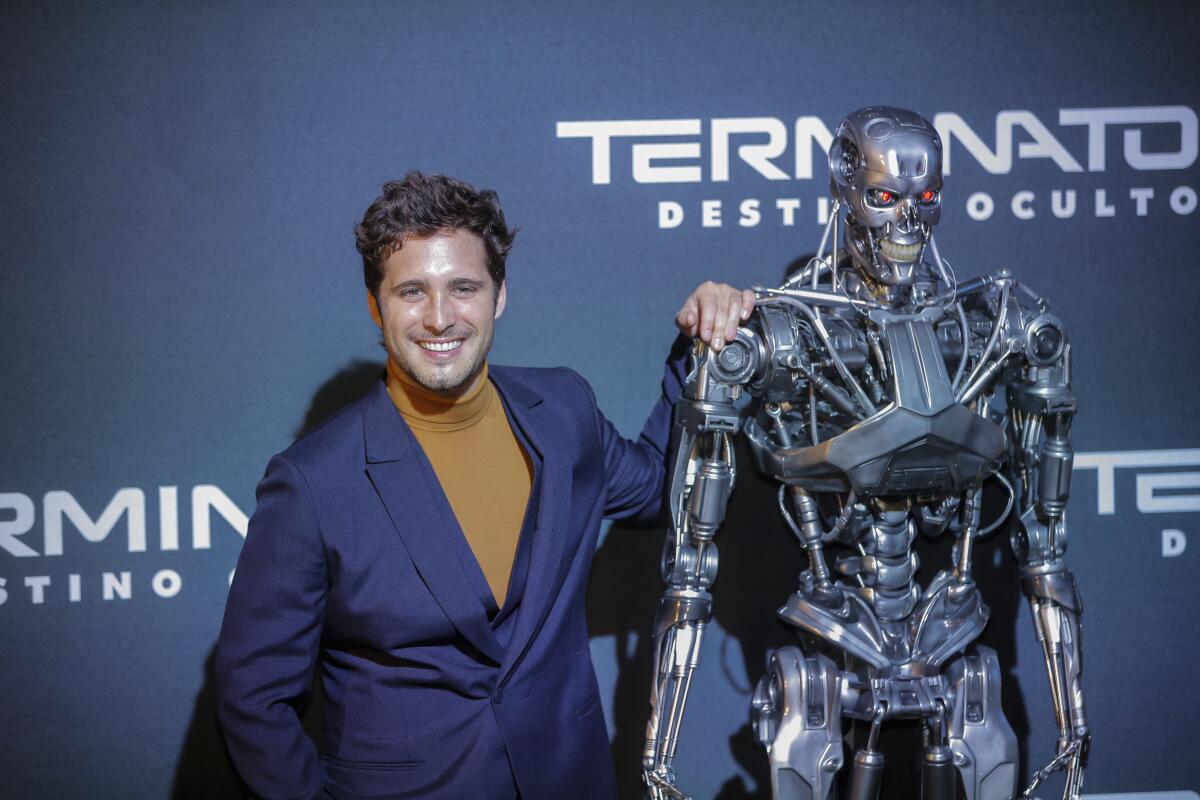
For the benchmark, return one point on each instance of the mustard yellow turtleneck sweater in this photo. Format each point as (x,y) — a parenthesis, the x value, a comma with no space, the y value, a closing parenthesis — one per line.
(485,473)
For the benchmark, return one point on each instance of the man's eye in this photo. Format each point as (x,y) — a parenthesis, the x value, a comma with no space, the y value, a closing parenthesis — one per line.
(881,197)
(410,293)
(464,291)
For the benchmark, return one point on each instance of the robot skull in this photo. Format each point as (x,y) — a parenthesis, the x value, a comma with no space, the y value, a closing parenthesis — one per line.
(885,166)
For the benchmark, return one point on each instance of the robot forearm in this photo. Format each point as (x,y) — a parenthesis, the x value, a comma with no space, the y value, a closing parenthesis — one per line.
(1054,600)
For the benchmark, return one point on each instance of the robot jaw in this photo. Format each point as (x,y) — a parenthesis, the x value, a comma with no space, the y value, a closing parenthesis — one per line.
(888,254)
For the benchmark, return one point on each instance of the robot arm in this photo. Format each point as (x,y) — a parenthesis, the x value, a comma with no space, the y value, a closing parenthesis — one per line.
(701,481)
(1041,407)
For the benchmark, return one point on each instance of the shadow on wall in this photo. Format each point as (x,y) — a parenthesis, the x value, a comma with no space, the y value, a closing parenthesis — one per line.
(759,564)
(350,383)
(203,770)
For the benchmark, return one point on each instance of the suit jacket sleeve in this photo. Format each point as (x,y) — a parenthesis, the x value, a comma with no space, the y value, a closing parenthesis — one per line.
(636,470)
(270,637)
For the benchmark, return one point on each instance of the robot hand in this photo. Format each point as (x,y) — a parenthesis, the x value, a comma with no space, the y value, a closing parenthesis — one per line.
(1072,756)
(661,786)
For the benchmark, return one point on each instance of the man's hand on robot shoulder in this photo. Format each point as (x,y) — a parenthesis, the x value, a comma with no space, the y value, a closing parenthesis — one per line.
(713,312)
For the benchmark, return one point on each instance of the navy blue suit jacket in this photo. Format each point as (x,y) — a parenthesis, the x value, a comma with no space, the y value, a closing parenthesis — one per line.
(350,562)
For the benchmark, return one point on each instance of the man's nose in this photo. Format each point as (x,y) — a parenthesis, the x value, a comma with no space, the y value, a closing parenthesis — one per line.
(439,313)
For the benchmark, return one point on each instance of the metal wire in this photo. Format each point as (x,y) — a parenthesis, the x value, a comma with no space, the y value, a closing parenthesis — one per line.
(787,515)
(851,384)
(1001,317)
(1012,497)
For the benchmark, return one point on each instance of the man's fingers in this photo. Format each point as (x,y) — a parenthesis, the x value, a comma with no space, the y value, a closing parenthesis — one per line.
(726,322)
(686,319)
(682,323)
(713,312)
(747,304)
(735,314)
(708,310)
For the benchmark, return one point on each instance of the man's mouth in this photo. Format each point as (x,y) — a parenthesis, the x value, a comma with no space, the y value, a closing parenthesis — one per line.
(441,347)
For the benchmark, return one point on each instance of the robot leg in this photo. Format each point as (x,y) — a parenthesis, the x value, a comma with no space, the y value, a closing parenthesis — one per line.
(798,717)
(939,780)
(983,745)
(866,776)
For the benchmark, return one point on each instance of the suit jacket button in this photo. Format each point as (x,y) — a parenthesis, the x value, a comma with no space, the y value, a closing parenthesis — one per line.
(498,695)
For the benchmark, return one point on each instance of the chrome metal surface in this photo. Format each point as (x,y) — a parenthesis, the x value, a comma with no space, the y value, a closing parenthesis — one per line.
(871,404)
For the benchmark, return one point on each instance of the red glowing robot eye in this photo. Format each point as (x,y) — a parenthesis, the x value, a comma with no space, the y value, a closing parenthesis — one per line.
(885,197)
(927,196)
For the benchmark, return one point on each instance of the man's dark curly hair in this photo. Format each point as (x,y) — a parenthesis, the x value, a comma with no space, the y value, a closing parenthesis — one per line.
(424,205)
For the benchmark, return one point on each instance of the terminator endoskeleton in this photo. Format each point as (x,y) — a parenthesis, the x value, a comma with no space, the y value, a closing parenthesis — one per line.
(871,388)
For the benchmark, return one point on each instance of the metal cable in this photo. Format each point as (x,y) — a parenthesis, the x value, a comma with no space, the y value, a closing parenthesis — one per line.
(1012,497)
(838,364)
(966,342)
(787,515)
(1001,317)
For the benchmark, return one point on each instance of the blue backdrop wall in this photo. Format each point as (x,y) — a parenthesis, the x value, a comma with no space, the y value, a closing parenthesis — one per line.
(181,297)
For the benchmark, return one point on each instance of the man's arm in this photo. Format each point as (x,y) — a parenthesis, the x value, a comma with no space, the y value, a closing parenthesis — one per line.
(270,637)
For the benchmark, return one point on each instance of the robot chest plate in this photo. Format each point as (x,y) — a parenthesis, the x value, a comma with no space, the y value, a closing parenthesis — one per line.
(921,442)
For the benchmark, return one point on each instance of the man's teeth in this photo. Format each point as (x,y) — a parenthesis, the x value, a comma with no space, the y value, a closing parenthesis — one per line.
(442,347)
(900,252)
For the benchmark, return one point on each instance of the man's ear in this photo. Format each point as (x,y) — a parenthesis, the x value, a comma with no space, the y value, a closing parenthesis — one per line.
(373,304)
(501,299)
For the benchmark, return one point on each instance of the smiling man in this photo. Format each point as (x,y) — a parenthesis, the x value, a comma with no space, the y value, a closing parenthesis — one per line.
(440,307)
(429,546)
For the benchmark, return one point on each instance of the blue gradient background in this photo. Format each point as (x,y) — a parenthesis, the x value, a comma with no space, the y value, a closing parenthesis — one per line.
(179,281)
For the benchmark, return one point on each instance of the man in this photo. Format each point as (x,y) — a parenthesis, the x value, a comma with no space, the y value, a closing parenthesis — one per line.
(429,545)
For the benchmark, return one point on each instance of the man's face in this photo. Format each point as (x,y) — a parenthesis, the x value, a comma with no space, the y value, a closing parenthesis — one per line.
(436,308)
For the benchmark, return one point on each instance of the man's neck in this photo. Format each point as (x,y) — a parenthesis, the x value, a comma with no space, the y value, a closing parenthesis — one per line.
(438,409)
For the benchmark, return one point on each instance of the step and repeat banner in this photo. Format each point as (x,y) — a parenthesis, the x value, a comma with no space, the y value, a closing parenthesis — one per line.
(181,298)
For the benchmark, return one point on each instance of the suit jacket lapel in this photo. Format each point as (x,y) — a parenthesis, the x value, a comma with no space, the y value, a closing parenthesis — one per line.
(546,561)
(408,487)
